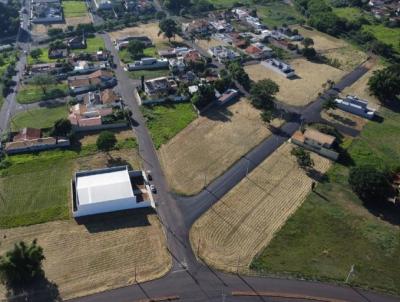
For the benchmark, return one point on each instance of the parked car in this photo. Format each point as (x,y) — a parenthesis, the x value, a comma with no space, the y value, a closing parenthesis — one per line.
(153,188)
(149,177)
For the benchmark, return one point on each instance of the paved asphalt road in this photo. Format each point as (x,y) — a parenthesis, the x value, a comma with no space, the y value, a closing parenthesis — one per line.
(192,280)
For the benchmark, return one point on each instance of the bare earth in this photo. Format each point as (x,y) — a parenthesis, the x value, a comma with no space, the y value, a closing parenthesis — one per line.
(150,30)
(99,255)
(210,145)
(205,45)
(243,222)
(78,20)
(302,90)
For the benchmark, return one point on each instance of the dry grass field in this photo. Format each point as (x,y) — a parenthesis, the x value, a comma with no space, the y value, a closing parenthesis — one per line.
(90,138)
(98,255)
(302,90)
(210,145)
(344,118)
(78,20)
(206,44)
(150,30)
(322,42)
(245,220)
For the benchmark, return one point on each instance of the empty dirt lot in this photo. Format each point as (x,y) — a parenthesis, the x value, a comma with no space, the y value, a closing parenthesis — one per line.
(244,221)
(98,255)
(210,145)
(150,30)
(302,90)
(206,44)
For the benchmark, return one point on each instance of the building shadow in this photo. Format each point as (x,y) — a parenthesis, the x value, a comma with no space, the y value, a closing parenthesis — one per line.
(116,220)
(42,290)
(117,162)
(344,120)
(386,211)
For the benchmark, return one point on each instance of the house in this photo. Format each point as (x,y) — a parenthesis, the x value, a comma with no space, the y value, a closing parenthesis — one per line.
(46,11)
(31,140)
(240,13)
(255,23)
(148,64)
(103,4)
(106,98)
(196,27)
(82,67)
(192,56)
(280,67)
(42,68)
(177,65)
(238,40)
(109,190)
(78,42)
(356,106)
(173,52)
(223,54)
(317,142)
(57,53)
(123,42)
(159,86)
(227,96)
(258,51)
(99,79)
(221,26)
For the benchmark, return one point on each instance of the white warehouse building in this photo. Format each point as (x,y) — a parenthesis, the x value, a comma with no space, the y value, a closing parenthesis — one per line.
(109,190)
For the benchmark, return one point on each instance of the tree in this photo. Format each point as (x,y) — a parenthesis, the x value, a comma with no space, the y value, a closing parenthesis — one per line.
(262,94)
(309,53)
(9,19)
(239,74)
(303,157)
(168,28)
(62,127)
(307,42)
(106,141)
(43,80)
(204,96)
(36,53)
(369,183)
(22,265)
(329,104)
(385,83)
(136,48)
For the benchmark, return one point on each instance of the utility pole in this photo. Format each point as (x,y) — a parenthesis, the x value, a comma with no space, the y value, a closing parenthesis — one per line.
(349,274)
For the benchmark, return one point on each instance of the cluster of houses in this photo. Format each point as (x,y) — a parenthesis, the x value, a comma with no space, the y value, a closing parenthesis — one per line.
(133,6)
(46,11)
(389,9)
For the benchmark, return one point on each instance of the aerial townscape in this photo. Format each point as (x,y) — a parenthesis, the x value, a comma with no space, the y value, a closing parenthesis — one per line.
(199,150)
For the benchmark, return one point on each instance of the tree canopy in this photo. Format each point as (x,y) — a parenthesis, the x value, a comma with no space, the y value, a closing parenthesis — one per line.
(303,157)
(43,80)
(136,48)
(385,83)
(22,265)
(168,28)
(62,127)
(369,183)
(36,53)
(239,74)
(106,141)
(9,19)
(262,94)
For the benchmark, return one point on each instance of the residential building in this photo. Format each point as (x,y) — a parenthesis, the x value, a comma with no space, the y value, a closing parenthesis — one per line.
(177,65)
(223,54)
(57,53)
(255,23)
(317,142)
(42,68)
(258,51)
(100,79)
(148,64)
(227,96)
(109,190)
(280,67)
(103,4)
(196,27)
(192,56)
(46,11)
(138,6)
(106,98)
(356,106)
(78,42)
(173,52)
(160,86)
(221,26)
(240,13)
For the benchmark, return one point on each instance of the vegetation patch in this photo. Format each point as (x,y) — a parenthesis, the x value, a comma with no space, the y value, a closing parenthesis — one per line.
(33,93)
(390,36)
(277,13)
(166,120)
(148,74)
(74,8)
(43,57)
(334,230)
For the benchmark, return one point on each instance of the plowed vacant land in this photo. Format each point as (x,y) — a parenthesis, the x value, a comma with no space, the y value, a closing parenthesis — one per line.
(303,89)
(244,221)
(98,255)
(210,145)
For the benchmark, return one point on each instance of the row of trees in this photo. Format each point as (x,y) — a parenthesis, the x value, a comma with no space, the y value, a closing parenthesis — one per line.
(183,7)
(9,18)
(385,84)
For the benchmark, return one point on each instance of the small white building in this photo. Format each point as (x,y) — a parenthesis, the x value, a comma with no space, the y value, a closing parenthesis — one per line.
(356,106)
(109,190)
(280,67)
(148,63)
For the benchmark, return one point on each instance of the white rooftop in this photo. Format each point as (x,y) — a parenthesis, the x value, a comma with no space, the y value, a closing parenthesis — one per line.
(104,187)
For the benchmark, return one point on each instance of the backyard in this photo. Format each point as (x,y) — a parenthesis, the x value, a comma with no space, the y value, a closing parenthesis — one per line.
(94,44)
(125,56)
(302,89)
(210,145)
(166,120)
(244,221)
(334,230)
(32,93)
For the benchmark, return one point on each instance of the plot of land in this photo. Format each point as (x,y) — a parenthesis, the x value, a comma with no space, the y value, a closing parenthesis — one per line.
(150,30)
(244,221)
(344,118)
(301,90)
(74,8)
(43,58)
(334,230)
(31,93)
(385,34)
(99,255)
(210,145)
(276,13)
(206,44)
(322,42)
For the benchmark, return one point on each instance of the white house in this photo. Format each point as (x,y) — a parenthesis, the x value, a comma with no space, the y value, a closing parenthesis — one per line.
(356,106)
(177,65)
(280,67)
(223,53)
(148,63)
(103,4)
(109,190)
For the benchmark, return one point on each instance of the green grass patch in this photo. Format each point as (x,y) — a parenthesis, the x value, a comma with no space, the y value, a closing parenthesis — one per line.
(333,230)
(125,56)
(149,74)
(385,34)
(278,13)
(350,13)
(94,44)
(32,93)
(74,9)
(165,121)
(44,58)
(38,118)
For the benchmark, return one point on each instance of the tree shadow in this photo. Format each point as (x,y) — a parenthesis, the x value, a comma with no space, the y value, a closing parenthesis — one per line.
(221,114)
(117,162)
(40,291)
(317,176)
(116,220)
(386,211)
(344,120)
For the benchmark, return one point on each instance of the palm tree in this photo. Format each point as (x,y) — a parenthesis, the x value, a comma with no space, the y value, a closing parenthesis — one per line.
(22,265)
